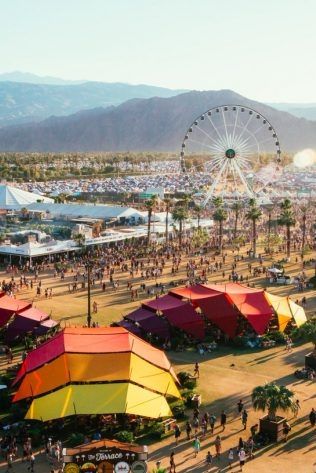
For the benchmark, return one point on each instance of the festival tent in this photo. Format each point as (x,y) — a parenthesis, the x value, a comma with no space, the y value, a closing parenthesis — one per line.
(9,306)
(130,327)
(193,293)
(25,321)
(286,310)
(92,399)
(180,314)
(122,364)
(254,307)
(45,327)
(282,309)
(150,322)
(298,313)
(220,311)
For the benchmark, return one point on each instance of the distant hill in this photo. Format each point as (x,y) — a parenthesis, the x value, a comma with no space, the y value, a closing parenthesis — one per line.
(27,77)
(156,124)
(22,102)
(301,110)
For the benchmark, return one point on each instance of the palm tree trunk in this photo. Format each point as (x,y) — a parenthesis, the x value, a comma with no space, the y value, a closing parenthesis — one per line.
(288,241)
(148,227)
(220,236)
(236,224)
(167,223)
(254,240)
(198,219)
(269,231)
(180,233)
(304,232)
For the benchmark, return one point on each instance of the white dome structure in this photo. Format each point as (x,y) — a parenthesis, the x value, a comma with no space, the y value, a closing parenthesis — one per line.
(12,197)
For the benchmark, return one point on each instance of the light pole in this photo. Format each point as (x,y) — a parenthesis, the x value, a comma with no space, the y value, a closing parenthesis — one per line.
(89,318)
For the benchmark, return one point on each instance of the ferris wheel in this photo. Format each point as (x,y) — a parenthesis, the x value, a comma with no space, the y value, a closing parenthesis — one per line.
(233,148)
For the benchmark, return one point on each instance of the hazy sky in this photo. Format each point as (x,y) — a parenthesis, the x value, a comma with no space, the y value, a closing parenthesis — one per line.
(263,49)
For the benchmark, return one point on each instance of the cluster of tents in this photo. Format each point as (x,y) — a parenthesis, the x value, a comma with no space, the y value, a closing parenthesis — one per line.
(86,371)
(20,318)
(225,305)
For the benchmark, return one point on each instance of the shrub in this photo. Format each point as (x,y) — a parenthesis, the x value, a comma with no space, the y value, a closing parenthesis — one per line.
(156,430)
(77,438)
(178,409)
(187,398)
(191,384)
(125,436)
(36,435)
(183,377)
(278,337)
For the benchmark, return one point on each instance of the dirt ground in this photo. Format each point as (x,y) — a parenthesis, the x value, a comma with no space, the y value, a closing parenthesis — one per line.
(225,375)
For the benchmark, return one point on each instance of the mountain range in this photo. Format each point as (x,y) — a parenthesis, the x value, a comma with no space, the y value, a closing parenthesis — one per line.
(22,102)
(155,124)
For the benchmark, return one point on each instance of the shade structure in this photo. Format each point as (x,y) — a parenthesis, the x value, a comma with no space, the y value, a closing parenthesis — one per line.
(25,321)
(9,306)
(150,322)
(96,340)
(131,375)
(163,303)
(232,288)
(107,367)
(187,319)
(130,327)
(92,399)
(45,326)
(193,293)
(298,313)
(282,309)
(220,311)
(254,307)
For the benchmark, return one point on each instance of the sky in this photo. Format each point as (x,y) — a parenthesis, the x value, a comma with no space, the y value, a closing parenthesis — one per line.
(263,49)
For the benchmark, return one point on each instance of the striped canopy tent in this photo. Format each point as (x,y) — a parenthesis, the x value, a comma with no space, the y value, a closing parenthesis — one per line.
(96,371)
(286,310)
(9,306)
(179,314)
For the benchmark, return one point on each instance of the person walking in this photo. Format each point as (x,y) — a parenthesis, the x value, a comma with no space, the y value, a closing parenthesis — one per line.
(218,446)
(286,430)
(230,457)
(223,420)
(240,406)
(297,408)
(209,458)
(196,370)
(9,462)
(242,458)
(212,422)
(172,463)
(177,433)
(244,418)
(312,417)
(188,429)
(196,446)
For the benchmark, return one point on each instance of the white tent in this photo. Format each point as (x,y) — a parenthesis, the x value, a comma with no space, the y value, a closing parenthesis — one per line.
(12,197)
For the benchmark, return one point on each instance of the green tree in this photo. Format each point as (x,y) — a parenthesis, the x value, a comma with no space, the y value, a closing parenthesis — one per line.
(217,202)
(236,207)
(179,215)
(287,220)
(168,203)
(198,210)
(253,214)
(273,398)
(307,332)
(220,216)
(150,206)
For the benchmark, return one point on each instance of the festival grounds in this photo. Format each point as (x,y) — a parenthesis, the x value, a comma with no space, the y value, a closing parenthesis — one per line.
(226,375)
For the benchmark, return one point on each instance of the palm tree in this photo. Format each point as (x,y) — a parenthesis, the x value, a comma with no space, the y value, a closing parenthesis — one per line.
(272,398)
(217,202)
(150,206)
(168,202)
(304,209)
(269,208)
(180,214)
(198,210)
(287,220)
(236,207)
(253,214)
(220,215)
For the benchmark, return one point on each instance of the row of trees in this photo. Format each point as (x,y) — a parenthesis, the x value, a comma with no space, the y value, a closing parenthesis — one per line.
(180,213)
